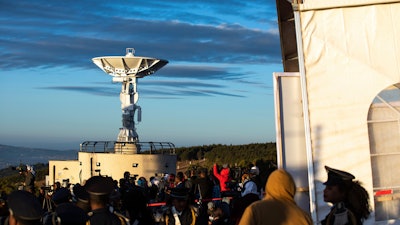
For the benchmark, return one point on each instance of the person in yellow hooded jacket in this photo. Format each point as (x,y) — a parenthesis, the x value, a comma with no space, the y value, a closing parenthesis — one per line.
(278,206)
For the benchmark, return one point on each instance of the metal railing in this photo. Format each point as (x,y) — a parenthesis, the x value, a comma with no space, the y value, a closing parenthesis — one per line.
(118,147)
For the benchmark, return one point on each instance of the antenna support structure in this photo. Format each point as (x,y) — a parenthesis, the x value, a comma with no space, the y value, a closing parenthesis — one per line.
(127,70)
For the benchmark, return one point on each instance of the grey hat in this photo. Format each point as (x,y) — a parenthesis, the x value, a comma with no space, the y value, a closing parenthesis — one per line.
(24,205)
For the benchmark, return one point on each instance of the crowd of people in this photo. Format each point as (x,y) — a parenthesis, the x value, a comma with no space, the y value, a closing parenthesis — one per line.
(200,197)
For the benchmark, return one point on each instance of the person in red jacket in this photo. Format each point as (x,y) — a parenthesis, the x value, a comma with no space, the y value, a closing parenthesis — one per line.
(223,177)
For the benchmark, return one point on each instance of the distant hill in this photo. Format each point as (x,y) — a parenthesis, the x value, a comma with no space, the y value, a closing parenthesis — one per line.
(13,156)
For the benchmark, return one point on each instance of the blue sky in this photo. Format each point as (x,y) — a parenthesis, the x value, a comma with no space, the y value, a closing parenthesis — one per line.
(216,88)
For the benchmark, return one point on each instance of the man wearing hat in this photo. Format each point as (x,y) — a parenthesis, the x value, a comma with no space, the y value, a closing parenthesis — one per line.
(61,196)
(350,200)
(81,197)
(24,209)
(99,189)
(180,212)
(69,214)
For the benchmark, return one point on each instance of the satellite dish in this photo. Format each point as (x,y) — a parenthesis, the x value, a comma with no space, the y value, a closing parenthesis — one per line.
(129,65)
(126,70)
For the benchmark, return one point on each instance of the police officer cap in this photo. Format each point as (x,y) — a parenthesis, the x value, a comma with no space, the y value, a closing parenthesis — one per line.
(80,193)
(336,176)
(68,213)
(62,195)
(99,185)
(24,205)
(179,193)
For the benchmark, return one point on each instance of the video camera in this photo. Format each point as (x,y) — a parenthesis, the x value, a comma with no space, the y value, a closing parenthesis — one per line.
(232,185)
(19,168)
(234,189)
(130,177)
(48,190)
(134,177)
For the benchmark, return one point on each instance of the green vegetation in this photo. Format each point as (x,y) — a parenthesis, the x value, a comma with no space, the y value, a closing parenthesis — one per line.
(10,178)
(238,155)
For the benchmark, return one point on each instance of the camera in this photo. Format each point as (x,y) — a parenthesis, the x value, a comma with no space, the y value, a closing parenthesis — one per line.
(134,177)
(48,190)
(20,169)
(234,189)
(232,185)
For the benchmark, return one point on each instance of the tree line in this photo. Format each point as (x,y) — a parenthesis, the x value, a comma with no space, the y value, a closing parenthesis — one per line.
(238,155)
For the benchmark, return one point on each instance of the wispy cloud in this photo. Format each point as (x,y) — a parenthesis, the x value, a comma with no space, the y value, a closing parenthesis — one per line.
(200,72)
(202,44)
(180,84)
(104,91)
(162,89)
(47,34)
(220,55)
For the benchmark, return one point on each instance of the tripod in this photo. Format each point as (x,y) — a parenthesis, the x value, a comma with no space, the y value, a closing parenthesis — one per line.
(47,202)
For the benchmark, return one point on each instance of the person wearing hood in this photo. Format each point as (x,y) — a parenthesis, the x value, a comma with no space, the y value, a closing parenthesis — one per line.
(278,206)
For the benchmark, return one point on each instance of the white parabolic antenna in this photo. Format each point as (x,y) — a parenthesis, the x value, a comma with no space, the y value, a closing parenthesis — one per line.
(126,70)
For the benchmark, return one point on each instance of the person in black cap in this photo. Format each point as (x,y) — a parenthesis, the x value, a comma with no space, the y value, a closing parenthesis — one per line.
(63,195)
(69,214)
(81,197)
(99,189)
(135,204)
(350,200)
(180,208)
(24,208)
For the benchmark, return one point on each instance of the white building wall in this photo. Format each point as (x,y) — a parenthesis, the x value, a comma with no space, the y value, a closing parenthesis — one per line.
(63,169)
(115,165)
(111,164)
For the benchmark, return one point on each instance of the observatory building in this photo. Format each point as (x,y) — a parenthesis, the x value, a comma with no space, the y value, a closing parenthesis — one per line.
(127,153)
